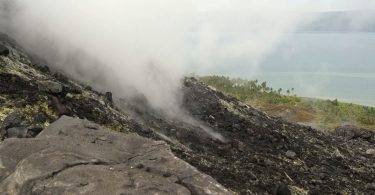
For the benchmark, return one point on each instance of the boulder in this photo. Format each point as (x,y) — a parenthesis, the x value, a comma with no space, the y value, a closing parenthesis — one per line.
(349,132)
(108,96)
(17,132)
(370,152)
(370,186)
(290,154)
(4,51)
(50,87)
(12,120)
(281,189)
(34,130)
(70,157)
(40,117)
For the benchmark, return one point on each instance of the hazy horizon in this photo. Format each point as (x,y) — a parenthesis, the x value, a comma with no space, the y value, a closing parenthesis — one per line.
(324,65)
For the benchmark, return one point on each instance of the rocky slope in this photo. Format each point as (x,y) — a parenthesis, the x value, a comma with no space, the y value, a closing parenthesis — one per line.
(261,154)
(266,155)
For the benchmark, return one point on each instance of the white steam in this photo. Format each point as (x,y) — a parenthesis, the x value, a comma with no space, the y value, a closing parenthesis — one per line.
(147,46)
(138,44)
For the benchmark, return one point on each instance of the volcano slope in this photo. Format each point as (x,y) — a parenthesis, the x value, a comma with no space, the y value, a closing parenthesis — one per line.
(263,154)
(260,155)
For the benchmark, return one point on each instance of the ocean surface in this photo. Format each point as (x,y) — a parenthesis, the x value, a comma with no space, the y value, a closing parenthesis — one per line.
(326,65)
(356,88)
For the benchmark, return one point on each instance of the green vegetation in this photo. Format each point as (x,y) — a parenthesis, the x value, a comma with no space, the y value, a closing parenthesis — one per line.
(326,114)
(246,90)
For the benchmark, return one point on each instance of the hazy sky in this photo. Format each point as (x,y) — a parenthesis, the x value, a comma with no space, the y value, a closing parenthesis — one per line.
(335,5)
(296,5)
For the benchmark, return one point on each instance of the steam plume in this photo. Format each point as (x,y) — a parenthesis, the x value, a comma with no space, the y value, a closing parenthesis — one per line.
(145,47)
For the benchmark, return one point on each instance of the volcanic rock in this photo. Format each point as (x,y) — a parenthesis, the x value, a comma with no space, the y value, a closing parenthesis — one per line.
(108,96)
(282,189)
(64,160)
(370,186)
(15,132)
(290,154)
(12,120)
(370,151)
(34,130)
(40,117)
(351,132)
(4,51)
(50,87)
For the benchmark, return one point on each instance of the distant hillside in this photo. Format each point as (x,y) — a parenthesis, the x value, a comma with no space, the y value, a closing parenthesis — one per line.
(353,21)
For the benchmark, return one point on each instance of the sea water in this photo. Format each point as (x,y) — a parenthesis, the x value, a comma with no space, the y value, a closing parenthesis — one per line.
(356,88)
(326,65)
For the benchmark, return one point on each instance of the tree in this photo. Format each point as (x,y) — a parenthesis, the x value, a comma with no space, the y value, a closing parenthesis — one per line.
(264,85)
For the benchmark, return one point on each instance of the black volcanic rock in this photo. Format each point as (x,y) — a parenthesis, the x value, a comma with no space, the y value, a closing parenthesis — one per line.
(50,87)
(349,132)
(262,154)
(4,51)
(17,132)
(12,120)
(108,96)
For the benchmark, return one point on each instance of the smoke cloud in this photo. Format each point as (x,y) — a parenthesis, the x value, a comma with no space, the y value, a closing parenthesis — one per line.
(117,45)
(134,47)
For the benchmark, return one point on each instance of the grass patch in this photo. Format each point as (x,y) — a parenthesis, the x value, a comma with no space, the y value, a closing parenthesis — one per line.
(324,114)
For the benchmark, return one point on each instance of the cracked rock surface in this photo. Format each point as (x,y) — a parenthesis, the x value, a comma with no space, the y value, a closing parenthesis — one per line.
(74,156)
